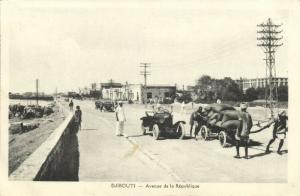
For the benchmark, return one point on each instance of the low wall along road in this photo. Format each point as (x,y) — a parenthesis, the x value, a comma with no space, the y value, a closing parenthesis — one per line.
(56,159)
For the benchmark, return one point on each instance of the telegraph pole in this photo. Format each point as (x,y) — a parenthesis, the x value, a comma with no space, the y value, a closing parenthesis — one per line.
(110,91)
(56,93)
(37,91)
(145,73)
(269,40)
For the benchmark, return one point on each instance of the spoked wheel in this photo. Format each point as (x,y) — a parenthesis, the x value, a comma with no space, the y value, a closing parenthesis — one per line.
(204,131)
(223,139)
(156,132)
(180,131)
(143,129)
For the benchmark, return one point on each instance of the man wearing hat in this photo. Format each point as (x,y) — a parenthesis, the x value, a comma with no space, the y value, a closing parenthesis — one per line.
(242,134)
(279,131)
(120,117)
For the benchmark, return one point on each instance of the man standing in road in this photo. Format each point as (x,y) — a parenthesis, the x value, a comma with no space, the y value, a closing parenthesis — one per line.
(120,117)
(242,133)
(196,119)
(78,117)
(279,131)
(71,104)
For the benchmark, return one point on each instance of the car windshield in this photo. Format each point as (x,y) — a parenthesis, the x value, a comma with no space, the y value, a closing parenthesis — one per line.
(162,110)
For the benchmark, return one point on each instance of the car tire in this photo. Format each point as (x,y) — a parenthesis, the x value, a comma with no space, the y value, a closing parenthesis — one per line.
(223,138)
(181,131)
(143,129)
(156,132)
(204,131)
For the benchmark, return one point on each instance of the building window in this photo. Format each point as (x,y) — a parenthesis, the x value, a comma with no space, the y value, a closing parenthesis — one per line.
(167,94)
(149,95)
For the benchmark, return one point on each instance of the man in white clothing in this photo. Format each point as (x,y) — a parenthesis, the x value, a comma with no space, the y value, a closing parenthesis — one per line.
(120,117)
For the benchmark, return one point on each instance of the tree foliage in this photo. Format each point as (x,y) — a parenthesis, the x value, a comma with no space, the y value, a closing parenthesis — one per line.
(209,89)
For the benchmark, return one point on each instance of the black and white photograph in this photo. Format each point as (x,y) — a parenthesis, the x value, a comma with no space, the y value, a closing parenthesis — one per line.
(148,96)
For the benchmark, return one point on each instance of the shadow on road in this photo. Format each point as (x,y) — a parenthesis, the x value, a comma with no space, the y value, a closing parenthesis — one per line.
(254,143)
(140,135)
(88,129)
(264,153)
(64,163)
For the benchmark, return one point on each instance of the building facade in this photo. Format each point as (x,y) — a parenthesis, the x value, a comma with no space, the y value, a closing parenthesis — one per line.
(260,82)
(139,94)
(135,92)
(112,90)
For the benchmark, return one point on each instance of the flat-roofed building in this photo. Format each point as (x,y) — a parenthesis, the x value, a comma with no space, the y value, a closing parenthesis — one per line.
(245,83)
(137,92)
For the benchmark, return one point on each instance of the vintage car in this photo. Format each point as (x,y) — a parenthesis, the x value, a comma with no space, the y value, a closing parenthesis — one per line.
(105,105)
(160,123)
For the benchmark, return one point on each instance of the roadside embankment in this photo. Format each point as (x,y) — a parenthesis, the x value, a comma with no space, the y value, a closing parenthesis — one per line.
(50,152)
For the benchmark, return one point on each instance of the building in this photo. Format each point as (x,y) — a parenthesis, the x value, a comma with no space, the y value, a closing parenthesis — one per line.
(84,91)
(133,92)
(137,92)
(112,90)
(245,83)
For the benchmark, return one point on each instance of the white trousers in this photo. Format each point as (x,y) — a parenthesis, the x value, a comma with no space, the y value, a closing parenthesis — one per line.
(120,127)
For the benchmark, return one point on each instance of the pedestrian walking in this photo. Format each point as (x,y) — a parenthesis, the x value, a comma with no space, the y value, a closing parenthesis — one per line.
(71,104)
(120,118)
(242,133)
(78,117)
(279,131)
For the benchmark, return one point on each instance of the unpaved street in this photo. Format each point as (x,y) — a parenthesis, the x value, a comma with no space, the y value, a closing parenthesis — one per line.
(106,157)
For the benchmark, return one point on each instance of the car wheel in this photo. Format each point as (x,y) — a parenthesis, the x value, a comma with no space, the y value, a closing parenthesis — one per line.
(143,129)
(156,132)
(180,130)
(204,131)
(223,139)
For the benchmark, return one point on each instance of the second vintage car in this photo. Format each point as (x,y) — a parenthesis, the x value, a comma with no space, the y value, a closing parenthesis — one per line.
(105,105)
(160,123)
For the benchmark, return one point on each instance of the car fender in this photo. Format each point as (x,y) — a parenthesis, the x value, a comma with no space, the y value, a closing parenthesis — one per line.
(177,123)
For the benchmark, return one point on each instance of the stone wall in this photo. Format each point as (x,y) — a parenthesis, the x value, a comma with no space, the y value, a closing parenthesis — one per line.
(57,159)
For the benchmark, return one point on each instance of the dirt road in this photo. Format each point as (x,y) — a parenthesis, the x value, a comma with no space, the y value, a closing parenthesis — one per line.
(106,157)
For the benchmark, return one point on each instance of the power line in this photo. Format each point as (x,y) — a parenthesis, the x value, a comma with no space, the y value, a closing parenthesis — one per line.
(269,40)
(145,73)
(37,91)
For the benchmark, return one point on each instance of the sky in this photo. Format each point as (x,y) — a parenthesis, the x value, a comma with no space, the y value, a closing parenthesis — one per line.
(70,47)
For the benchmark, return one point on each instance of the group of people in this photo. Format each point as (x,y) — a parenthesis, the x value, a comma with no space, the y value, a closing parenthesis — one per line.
(120,117)
(199,117)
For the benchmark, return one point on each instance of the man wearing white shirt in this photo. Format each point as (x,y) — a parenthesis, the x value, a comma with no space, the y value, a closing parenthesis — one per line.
(120,117)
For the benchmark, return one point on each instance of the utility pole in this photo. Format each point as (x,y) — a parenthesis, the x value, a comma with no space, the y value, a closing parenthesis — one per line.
(269,40)
(56,93)
(110,91)
(37,91)
(126,90)
(145,73)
